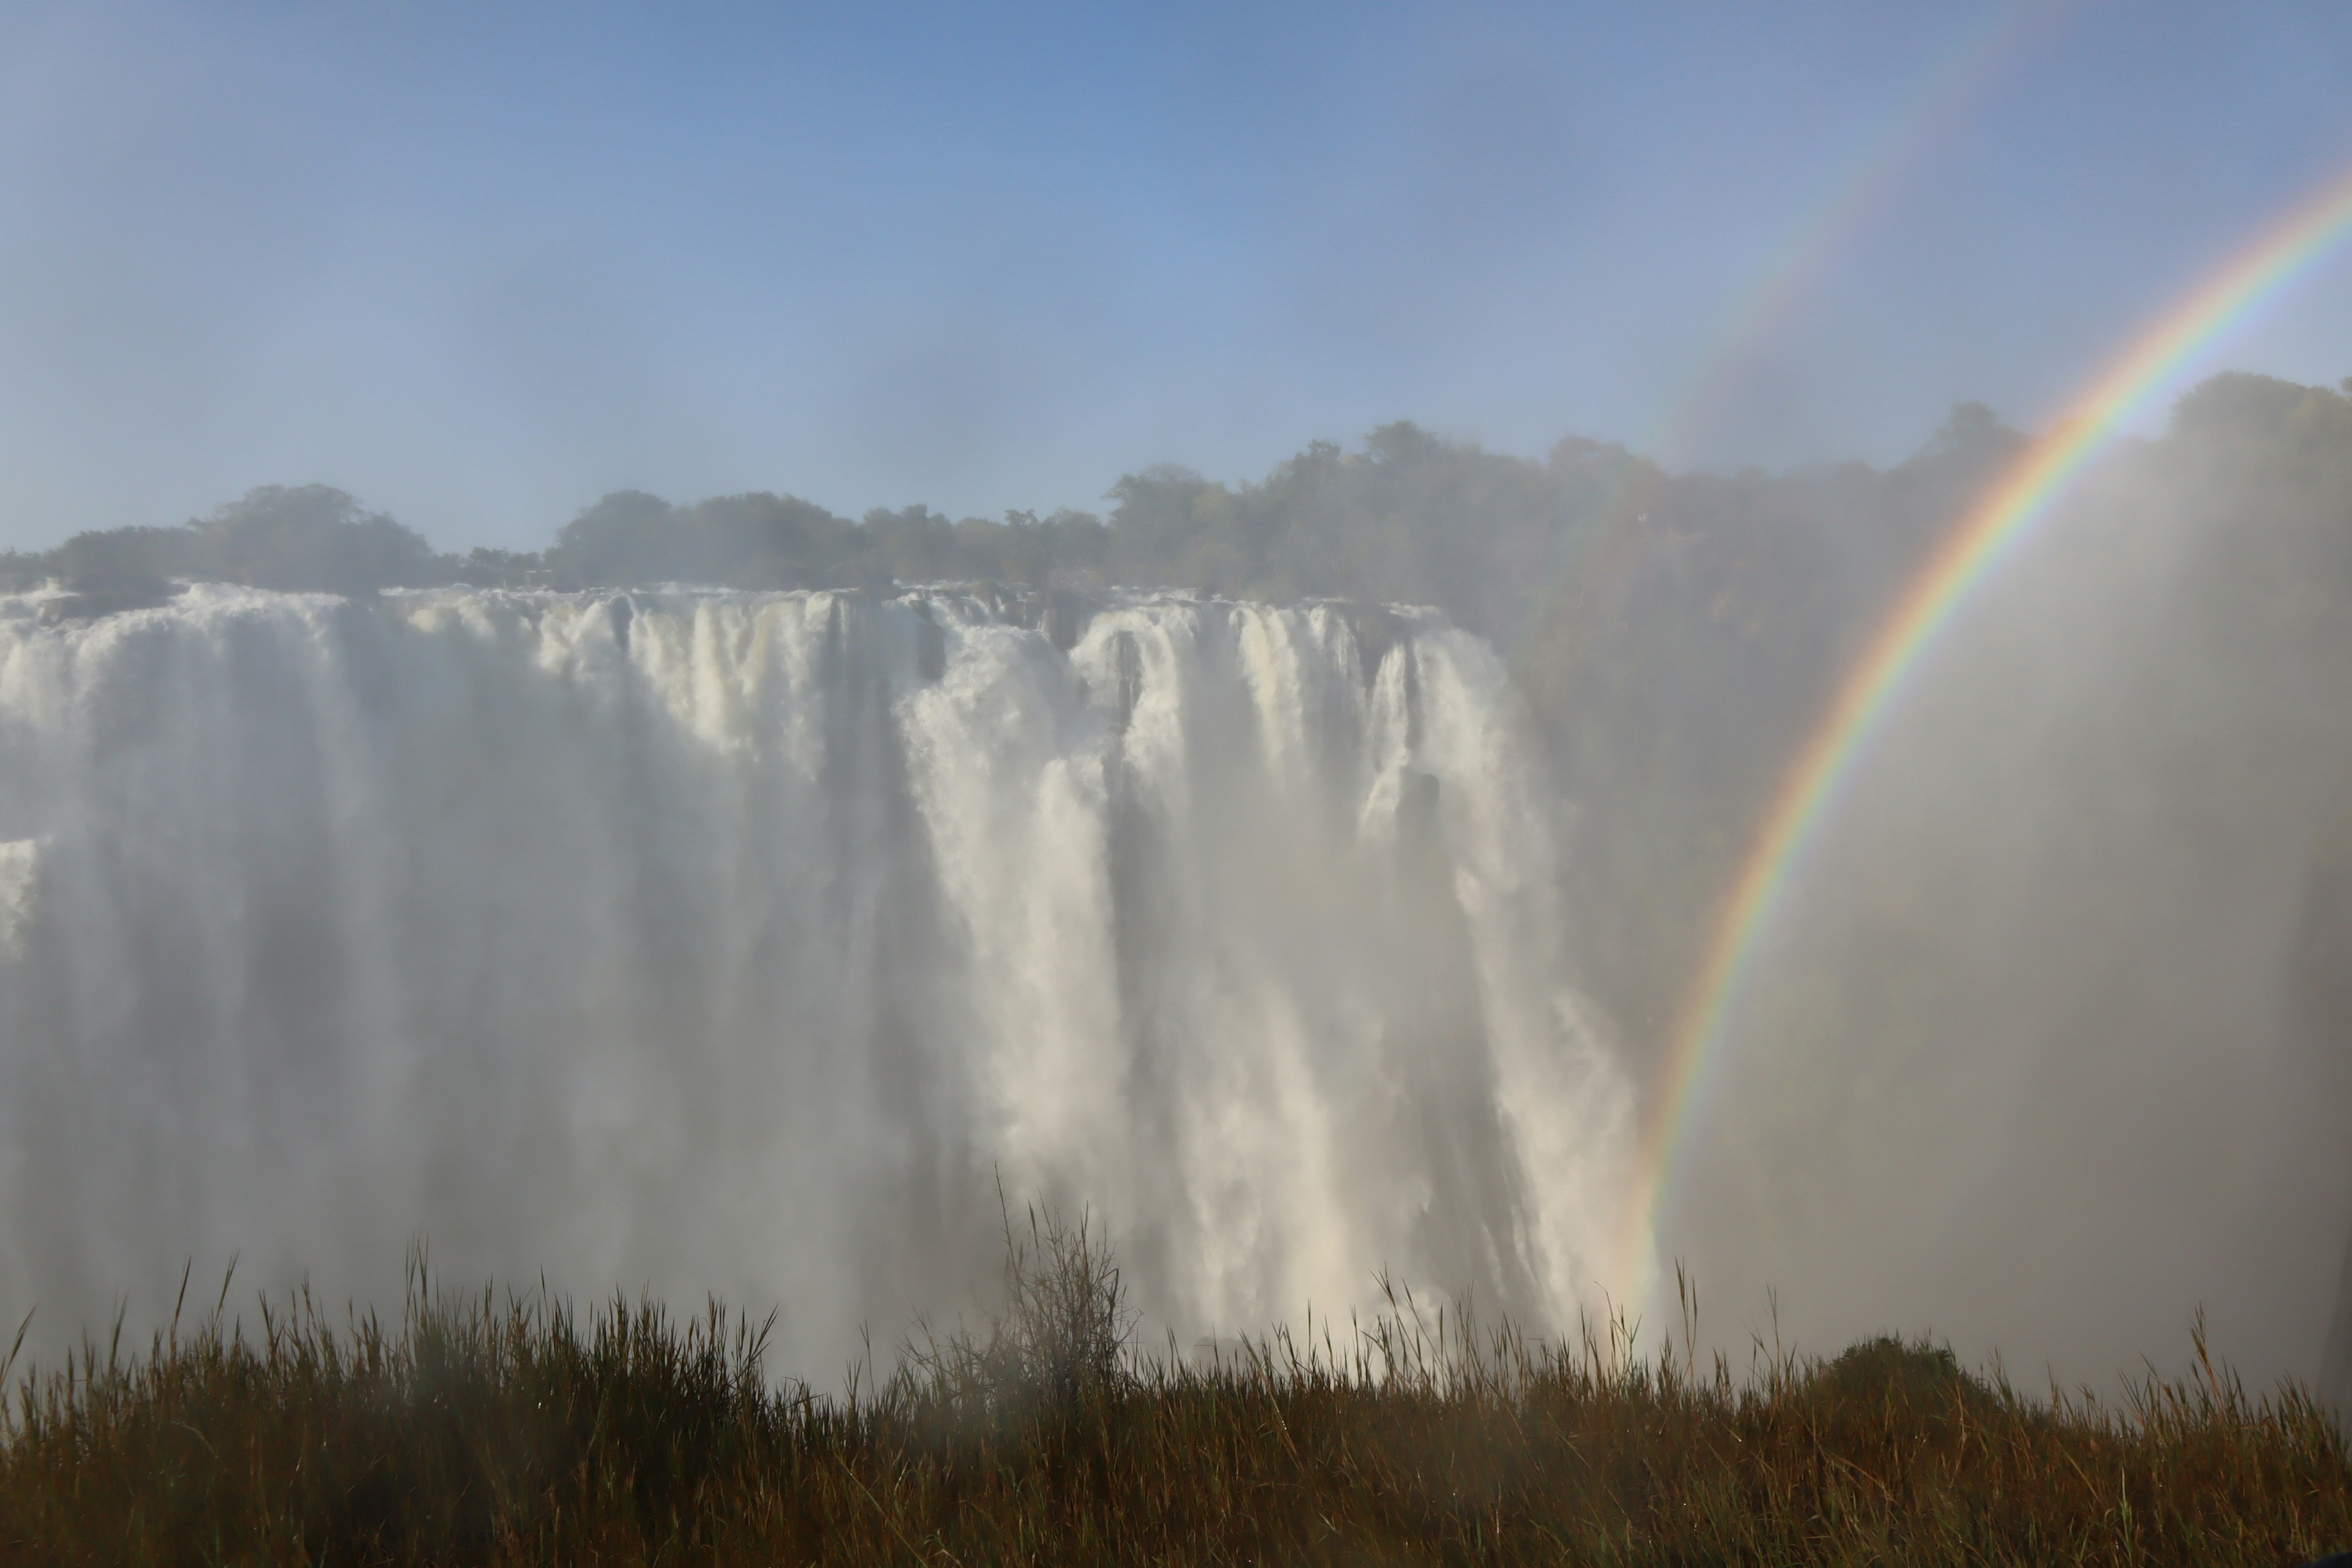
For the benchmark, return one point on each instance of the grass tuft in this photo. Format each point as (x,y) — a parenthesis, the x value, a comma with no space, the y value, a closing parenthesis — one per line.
(488,1430)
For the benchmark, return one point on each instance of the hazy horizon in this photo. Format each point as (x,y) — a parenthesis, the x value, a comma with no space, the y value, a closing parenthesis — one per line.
(1358,443)
(479,270)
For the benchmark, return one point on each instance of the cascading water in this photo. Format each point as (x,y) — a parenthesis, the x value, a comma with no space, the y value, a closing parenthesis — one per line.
(692,940)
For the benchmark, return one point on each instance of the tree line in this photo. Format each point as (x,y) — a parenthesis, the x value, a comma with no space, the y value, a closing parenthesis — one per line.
(1674,635)
(1485,536)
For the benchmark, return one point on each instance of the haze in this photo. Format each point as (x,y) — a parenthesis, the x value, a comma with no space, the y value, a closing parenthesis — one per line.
(520,726)
(479,268)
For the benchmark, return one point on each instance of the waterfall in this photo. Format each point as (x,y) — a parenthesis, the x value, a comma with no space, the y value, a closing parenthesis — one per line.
(695,940)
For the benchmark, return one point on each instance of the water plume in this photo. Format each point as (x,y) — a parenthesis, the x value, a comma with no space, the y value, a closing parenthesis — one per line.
(692,940)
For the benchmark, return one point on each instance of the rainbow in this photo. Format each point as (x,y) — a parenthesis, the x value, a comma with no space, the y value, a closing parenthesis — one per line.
(1936,105)
(1986,536)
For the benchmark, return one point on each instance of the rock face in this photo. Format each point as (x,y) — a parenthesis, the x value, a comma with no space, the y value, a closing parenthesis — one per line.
(742,941)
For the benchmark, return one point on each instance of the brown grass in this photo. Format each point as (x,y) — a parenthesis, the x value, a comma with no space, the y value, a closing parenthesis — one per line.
(489,1431)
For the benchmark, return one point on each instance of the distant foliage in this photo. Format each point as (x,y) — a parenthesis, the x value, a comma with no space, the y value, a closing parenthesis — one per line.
(310,538)
(780,541)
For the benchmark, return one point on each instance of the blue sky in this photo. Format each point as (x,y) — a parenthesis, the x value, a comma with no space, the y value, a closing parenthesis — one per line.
(480,264)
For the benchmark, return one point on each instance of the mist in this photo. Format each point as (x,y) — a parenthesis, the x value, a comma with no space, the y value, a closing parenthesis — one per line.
(705,651)
(757,941)
(2051,1048)
(746,937)
(480,268)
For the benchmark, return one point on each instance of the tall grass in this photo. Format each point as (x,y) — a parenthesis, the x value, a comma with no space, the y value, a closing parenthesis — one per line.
(482,1429)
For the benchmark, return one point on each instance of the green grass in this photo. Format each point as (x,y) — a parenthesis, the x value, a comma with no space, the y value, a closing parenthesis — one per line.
(510,1430)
